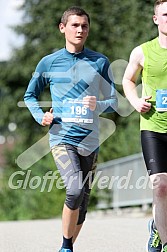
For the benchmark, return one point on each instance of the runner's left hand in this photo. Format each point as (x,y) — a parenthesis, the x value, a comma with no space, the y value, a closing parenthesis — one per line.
(90,102)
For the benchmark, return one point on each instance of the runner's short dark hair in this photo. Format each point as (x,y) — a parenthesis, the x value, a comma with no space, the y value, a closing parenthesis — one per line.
(74,10)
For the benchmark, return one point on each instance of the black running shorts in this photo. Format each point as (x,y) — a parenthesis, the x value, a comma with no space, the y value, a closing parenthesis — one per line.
(154,146)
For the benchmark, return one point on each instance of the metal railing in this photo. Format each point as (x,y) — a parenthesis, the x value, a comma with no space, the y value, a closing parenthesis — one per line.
(123,182)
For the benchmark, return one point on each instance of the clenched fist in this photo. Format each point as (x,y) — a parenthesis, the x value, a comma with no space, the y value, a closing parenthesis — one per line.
(47,118)
(90,102)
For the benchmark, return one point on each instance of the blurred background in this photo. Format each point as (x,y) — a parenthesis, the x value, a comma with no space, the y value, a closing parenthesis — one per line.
(29,31)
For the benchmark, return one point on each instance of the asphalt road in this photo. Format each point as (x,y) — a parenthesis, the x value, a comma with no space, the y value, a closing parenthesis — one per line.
(101,233)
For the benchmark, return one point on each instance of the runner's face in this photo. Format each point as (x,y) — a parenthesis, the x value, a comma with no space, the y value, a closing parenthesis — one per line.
(160,18)
(76,31)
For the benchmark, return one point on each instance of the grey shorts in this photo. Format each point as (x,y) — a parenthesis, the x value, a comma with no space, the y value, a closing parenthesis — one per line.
(77,172)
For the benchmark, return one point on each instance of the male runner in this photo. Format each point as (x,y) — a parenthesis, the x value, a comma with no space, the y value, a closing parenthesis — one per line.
(150,58)
(76,76)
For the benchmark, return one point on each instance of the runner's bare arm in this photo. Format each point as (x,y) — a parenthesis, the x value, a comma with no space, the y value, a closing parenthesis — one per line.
(134,68)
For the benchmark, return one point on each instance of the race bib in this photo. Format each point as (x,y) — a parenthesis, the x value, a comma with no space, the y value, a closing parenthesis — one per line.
(161,100)
(75,111)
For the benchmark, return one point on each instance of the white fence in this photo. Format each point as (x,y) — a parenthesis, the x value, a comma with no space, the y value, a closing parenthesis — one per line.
(123,182)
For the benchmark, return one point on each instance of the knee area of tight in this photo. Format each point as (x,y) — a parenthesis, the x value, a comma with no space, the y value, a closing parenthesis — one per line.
(73,201)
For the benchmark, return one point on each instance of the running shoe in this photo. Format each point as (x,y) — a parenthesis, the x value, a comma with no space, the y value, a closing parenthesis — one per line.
(65,250)
(154,243)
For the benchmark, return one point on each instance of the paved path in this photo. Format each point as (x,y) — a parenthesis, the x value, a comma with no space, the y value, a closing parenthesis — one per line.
(101,233)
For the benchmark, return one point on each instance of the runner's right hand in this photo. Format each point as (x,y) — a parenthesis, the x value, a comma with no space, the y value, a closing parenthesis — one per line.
(47,118)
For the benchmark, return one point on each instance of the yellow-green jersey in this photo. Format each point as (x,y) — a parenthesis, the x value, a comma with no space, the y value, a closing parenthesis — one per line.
(154,81)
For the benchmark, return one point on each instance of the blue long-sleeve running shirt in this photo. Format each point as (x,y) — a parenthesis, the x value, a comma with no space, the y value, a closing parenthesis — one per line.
(72,76)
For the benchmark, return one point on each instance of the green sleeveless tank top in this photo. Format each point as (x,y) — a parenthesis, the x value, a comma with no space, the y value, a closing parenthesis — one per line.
(154,76)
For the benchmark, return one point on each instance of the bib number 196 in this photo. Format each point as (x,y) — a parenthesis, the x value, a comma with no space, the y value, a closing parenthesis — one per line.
(75,111)
(78,110)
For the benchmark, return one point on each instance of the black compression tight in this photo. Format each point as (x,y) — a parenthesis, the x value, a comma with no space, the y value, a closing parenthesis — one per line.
(154,146)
